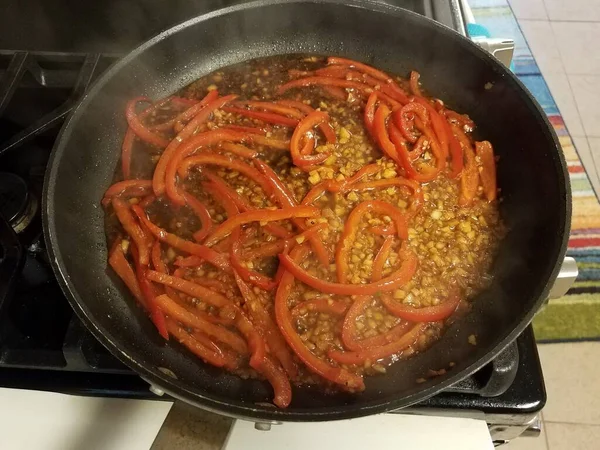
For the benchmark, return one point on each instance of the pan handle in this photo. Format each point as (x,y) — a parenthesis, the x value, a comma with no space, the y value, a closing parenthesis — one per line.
(11,259)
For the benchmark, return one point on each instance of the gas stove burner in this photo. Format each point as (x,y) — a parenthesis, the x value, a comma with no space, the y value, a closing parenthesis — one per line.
(17,205)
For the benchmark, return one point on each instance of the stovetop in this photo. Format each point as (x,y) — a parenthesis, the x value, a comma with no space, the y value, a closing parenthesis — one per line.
(42,343)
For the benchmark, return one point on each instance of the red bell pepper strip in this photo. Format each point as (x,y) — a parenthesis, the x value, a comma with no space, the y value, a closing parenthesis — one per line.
(325,127)
(417,200)
(133,229)
(381,258)
(158,179)
(207,158)
(263,321)
(456,154)
(206,354)
(283,316)
(189,288)
(267,117)
(324,81)
(229,225)
(375,73)
(281,384)
(243,129)
(324,305)
(286,199)
(335,92)
(201,211)
(376,353)
(395,280)
(140,130)
(207,138)
(156,256)
(208,254)
(306,124)
(369,114)
(424,314)
(218,188)
(221,334)
(414,83)
(251,276)
(381,135)
(239,150)
(485,152)
(156,315)
(439,124)
(461,119)
(121,266)
(135,187)
(194,107)
(469,181)
(383,230)
(403,122)
(273,107)
(351,229)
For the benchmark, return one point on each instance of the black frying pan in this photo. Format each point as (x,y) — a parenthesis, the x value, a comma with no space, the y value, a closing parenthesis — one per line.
(536,202)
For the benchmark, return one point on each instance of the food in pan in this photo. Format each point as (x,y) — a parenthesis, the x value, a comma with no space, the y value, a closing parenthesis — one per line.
(301,219)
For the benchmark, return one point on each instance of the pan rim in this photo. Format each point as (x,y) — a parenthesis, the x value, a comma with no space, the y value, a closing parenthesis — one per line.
(235,408)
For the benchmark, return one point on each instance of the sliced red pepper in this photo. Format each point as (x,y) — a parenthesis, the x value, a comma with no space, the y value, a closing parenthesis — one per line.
(221,334)
(375,73)
(324,81)
(456,153)
(381,258)
(135,187)
(306,124)
(427,173)
(381,135)
(207,158)
(184,338)
(202,213)
(369,114)
(402,119)
(395,280)
(336,375)
(193,109)
(208,254)
(281,384)
(244,129)
(383,230)
(414,83)
(133,229)
(158,179)
(324,305)
(251,276)
(140,130)
(385,183)
(263,321)
(424,314)
(239,150)
(439,124)
(274,107)
(229,225)
(121,266)
(485,152)
(376,353)
(461,119)
(469,181)
(267,117)
(189,288)
(156,315)
(352,226)
(325,127)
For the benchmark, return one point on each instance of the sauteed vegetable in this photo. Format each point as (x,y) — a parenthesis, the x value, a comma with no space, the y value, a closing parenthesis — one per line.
(301,219)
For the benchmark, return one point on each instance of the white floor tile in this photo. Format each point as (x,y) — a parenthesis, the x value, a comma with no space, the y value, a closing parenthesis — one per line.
(541,40)
(578,46)
(583,10)
(562,436)
(590,162)
(563,96)
(571,383)
(594,144)
(586,90)
(529,9)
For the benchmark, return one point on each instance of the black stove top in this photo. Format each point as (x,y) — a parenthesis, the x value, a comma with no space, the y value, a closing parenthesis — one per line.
(42,343)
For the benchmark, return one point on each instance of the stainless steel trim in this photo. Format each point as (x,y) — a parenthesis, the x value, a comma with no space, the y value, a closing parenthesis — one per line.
(503,49)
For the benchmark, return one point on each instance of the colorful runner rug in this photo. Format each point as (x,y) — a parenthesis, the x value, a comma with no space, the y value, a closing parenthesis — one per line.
(576,316)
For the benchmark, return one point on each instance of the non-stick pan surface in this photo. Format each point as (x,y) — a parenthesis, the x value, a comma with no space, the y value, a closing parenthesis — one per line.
(532,175)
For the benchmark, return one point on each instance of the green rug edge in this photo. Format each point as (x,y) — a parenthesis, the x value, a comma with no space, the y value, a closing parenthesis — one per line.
(573,317)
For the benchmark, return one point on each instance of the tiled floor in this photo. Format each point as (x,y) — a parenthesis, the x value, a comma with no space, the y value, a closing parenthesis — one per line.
(563,36)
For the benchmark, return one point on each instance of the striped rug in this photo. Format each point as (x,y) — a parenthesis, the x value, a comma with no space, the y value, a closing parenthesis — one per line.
(576,316)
